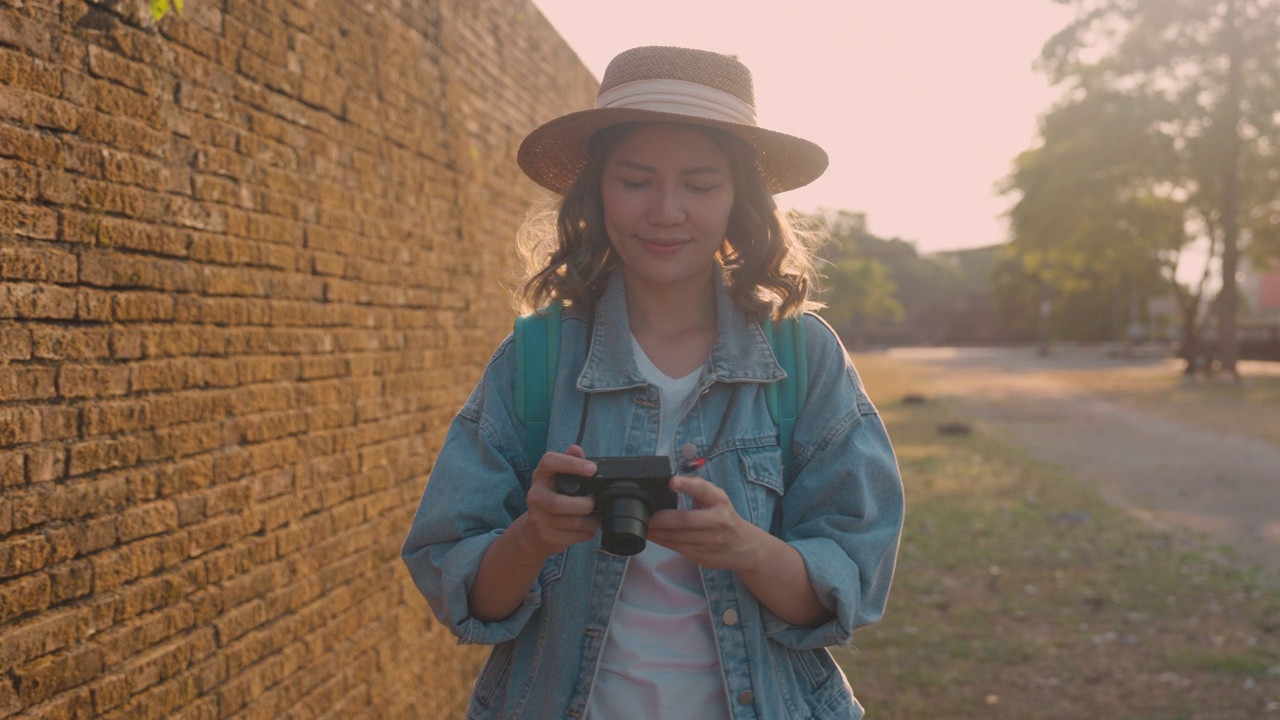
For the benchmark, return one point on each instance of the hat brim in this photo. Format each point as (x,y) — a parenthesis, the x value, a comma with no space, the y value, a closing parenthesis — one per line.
(555,153)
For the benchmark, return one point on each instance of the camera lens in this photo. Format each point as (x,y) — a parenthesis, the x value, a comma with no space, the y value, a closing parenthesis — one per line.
(624,523)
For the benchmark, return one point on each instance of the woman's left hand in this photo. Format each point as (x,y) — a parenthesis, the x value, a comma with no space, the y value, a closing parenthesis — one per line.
(712,533)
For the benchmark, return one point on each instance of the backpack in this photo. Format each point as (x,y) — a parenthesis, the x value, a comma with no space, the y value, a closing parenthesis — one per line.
(537,348)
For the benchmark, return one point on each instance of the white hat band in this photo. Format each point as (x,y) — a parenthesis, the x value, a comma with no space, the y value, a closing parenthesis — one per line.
(679,97)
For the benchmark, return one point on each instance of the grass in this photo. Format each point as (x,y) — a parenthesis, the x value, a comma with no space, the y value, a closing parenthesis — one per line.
(1021,594)
(1250,407)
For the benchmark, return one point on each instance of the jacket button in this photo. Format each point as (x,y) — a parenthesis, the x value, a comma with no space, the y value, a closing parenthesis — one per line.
(730,617)
(745,697)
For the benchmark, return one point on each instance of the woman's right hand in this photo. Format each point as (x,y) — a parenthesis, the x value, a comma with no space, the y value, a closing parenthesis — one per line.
(555,521)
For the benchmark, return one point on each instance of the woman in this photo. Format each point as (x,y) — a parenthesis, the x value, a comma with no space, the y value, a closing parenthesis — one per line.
(669,253)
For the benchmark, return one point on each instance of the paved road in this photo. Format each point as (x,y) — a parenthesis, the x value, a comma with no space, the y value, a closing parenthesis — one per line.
(1170,473)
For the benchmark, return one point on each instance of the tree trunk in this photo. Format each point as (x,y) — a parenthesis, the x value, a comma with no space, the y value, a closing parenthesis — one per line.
(1230,193)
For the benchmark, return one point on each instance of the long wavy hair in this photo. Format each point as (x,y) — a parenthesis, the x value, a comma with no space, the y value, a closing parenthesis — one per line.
(768,264)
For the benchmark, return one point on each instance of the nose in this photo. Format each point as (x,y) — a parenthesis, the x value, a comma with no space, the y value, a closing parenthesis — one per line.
(667,207)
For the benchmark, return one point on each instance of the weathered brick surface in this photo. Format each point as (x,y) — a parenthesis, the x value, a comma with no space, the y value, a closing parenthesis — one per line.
(251,261)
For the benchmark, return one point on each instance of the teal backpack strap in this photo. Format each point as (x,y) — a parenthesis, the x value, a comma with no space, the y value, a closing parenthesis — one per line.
(537,341)
(785,397)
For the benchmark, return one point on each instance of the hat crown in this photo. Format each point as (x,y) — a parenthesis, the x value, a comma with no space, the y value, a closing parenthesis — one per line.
(710,69)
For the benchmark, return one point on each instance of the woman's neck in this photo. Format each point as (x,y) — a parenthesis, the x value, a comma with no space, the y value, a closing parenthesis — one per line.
(675,325)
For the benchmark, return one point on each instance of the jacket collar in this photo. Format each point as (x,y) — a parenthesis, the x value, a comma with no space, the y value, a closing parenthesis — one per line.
(740,352)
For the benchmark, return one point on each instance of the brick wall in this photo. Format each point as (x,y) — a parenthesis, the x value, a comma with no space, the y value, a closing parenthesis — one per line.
(251,262)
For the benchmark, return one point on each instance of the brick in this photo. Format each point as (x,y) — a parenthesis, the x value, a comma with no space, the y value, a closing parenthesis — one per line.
(151,519)
(32,507)
(109,692)
(46,633)
(102,454)
(105,64)
(37,302)
(45,677)
(19,425)
(37,264)
(24,595)
(23,554)
(26,383)
(109,417)
(18,180)
(123,134)
(117,566)
(181,441)
(26,33)
(121,270)
(142,306)
(134,632)
(58,422)
(93,381)
(53,342)
(69,581)
(120,234)
(126,344)
(120,102)
(93,305)
(214,533)
(77,227)
(32,73)
(45,464)
(97,494)
(28,221)
(25,107)
(167,374)
(15,344)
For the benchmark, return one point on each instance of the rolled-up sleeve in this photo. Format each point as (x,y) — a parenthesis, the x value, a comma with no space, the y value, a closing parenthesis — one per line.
(843,510)
(473,494)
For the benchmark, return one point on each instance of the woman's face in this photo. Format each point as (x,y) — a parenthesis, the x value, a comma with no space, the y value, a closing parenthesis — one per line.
(667,191)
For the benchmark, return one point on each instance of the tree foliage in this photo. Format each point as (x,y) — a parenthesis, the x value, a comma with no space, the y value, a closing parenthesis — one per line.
(160,8)
(882,291)
(1168,137)
(860,297)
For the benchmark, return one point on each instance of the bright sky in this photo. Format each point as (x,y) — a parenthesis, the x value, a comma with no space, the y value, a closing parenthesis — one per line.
(921,104)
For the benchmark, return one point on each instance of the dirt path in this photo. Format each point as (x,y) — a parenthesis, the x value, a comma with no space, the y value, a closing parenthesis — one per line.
(1171,473)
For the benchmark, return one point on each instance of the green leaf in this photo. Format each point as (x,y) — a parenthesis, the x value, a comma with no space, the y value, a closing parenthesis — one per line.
(159,8)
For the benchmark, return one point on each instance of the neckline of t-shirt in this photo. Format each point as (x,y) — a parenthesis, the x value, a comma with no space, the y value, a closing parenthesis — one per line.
(656,376)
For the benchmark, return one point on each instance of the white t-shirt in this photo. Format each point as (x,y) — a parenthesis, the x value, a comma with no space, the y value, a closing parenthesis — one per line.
(659,658)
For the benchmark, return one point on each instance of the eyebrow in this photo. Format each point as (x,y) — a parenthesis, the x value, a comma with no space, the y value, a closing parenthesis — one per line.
(703,170)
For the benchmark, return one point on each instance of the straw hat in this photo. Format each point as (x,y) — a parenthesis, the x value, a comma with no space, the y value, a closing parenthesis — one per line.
(670,84)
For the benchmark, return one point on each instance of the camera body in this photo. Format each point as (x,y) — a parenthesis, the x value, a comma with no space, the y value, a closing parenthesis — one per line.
(627,490)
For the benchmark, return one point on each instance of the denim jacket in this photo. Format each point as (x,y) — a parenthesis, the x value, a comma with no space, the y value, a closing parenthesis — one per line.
(840,505)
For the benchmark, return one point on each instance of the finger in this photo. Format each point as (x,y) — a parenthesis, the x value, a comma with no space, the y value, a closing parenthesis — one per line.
(545,499)
(552,463)
(701,492)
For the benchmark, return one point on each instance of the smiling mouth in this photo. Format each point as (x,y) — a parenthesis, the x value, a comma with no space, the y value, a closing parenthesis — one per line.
(663,247)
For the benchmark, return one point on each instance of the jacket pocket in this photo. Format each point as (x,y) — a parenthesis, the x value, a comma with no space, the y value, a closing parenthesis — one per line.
(762,469)
(493,675)
(812,683)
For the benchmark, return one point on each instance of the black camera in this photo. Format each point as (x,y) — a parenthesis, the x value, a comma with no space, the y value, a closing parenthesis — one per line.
(627,491)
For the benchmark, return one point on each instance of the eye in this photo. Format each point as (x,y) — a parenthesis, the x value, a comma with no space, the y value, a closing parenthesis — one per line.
(633,184)
(701,189)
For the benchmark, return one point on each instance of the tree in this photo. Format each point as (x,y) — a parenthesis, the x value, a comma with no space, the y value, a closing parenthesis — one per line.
(882,291)
(1168,135)
(859,295)
(1099,221)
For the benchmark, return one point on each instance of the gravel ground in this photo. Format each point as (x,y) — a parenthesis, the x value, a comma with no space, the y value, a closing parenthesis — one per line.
(1171,472)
